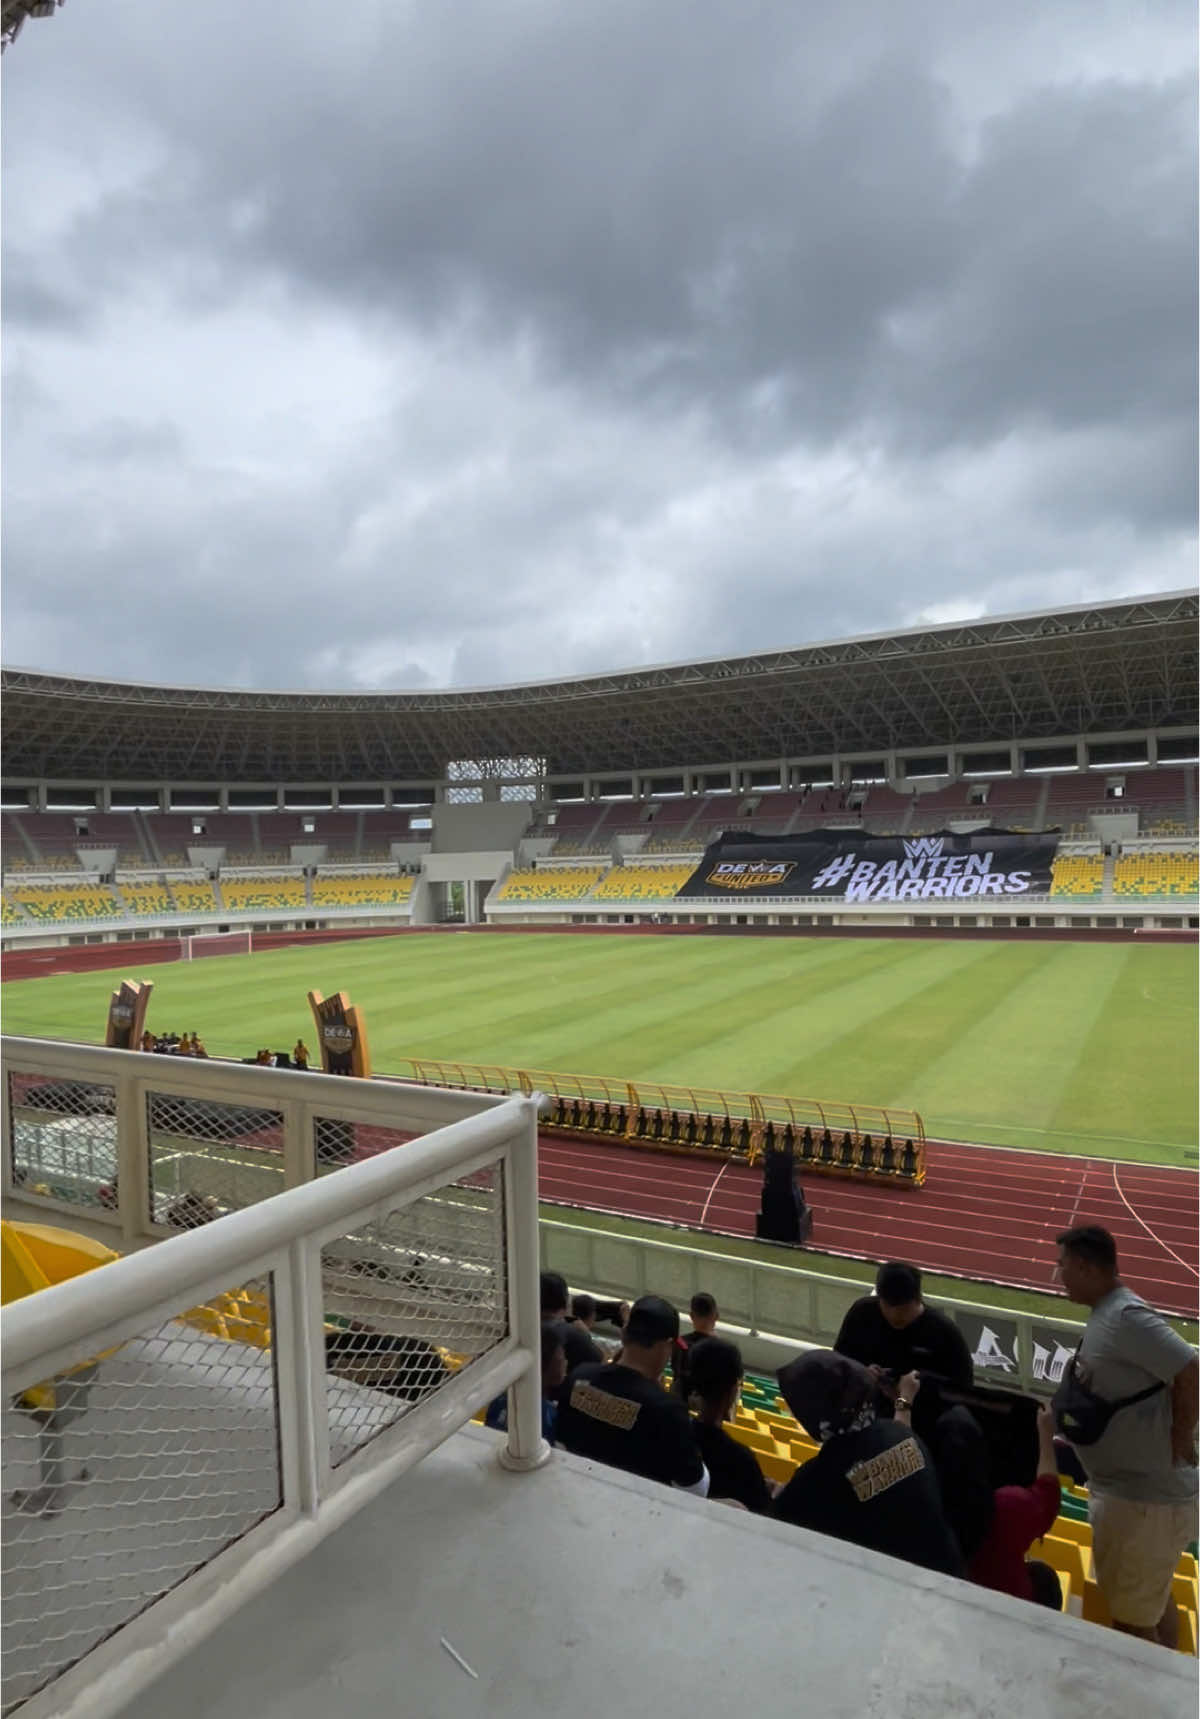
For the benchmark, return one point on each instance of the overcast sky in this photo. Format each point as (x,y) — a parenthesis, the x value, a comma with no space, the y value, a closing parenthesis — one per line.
(400,344)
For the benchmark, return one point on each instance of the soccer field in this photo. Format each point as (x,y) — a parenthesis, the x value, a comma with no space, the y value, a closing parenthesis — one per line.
(1064,1046)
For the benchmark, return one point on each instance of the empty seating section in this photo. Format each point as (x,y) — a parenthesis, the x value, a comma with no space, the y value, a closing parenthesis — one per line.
(1014,802)
(578,827)
(642,882)
(10,913)
(193,895)
(1157,874)
(262,895)
(55,839)
(380,890)
(553,883)
(62,901)
(145,898)
(170,835)
(1077,874)
(885,812)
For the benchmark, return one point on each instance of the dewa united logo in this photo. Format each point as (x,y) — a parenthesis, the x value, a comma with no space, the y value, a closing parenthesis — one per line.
(751,874)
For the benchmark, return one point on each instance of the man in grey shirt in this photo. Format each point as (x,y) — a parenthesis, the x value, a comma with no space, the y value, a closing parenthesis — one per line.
(1142,1469)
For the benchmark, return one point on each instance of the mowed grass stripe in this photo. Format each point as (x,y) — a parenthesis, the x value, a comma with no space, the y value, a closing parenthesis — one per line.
(1024,1041)
(1144,1028)
(1077,1046)
(874,1037)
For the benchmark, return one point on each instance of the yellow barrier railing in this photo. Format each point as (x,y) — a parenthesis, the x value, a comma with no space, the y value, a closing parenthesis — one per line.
(843,1139)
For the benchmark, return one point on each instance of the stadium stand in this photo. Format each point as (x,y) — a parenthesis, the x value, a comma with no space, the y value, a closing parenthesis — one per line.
(362,890)
(193,895)
(1015,802)
(143,898)
(169,835)
(936,807)
(885,812)
(10,913)
(642,882)
(553,883)
(1077,874)
(53,839)
(1157,874)
(573,826)
(61,901)
(263,894)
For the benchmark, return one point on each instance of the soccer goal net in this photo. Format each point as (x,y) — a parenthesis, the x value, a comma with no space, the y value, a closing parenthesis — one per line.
(216,943)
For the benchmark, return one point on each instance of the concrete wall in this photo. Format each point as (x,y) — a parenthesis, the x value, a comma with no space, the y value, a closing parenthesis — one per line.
(465,829)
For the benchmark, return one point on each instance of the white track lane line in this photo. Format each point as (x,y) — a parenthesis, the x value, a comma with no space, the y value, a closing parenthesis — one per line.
(1162,1244)
(712,1191)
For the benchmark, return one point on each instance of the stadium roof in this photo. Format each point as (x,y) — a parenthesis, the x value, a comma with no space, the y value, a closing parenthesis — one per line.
(14,13)
(1093,669)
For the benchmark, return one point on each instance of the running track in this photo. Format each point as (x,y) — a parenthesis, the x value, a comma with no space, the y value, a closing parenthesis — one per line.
(984,1213)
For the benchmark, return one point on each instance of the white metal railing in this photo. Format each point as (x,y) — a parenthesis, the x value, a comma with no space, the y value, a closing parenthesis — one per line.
(184,1422)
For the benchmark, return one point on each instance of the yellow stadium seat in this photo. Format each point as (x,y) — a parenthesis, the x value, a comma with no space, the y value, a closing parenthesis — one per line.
(643,882)
(259,895)
(549,883)
(145,898)
(65,901)
(362,889)
(1077,874)
(1157,874)
(193,895)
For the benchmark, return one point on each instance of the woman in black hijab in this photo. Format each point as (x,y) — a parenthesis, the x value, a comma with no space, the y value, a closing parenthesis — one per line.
(872,1481)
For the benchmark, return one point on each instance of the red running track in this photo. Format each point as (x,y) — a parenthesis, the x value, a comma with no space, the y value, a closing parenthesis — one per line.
(984,1212)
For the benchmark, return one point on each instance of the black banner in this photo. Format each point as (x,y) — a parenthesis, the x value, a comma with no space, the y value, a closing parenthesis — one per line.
(851,866)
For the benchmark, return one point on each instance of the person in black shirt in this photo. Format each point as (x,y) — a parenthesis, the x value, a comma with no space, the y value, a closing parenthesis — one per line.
(704,1316)
(578,1345)
(872,1482)
(715,1383)
(894,1332)
(620,1414)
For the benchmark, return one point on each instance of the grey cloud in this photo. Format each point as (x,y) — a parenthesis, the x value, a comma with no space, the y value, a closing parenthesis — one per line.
(625,333)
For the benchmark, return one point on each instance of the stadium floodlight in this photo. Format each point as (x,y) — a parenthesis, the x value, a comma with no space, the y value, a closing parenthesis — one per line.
(15,13)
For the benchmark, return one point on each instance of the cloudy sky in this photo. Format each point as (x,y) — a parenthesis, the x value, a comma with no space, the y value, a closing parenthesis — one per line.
(412,343)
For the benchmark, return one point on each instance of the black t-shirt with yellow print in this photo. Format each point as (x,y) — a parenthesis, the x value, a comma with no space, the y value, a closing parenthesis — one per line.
(877,1488)
(614,1415)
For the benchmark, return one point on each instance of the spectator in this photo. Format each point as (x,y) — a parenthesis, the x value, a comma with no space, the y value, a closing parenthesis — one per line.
(620,1414)
(895,1332)
(1141,1467)
(585,1311)
(198,1045)
(963,1468)
(580,1350)
(300,1054)
(704,1316)
(715,1375)
(872,1481)
(554,1371)
(407,1367)
(1021,1515)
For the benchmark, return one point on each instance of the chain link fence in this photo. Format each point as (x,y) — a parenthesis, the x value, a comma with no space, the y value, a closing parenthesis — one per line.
(128,1473)
(207,1158)
(409,1300)
(62,1138)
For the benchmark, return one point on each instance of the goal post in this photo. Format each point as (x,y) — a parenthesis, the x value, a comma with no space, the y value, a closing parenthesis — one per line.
(216,943)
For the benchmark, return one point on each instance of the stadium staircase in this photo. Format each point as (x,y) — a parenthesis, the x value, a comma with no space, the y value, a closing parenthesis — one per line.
(30,850)
(148,840)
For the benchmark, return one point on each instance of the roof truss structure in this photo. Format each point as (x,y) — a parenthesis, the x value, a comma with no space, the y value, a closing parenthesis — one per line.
(1107,668)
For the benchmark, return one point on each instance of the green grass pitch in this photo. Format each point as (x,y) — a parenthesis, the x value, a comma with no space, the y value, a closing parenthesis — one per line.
(1063,1046)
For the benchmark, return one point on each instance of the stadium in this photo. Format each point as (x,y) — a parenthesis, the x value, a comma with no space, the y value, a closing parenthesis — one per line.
(690,909)
(805,992)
